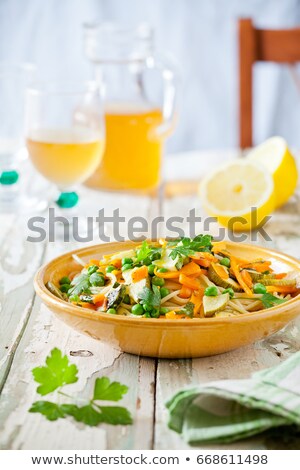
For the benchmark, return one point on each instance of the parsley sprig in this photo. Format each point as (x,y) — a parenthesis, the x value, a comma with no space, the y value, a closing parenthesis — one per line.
(151,297)
(270,300)
(57,373)
(189,246)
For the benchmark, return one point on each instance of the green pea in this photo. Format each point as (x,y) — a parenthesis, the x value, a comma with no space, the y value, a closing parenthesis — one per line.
(126,266)
(157,281)
(126,299)
(64,287)
(126,261)
(259,288)
(109,269)
(154,256)
(211,291)
(147,307)
(164,291)
(96,279)
(137,309)
(155,313)
(92,269)
(229,291)
(162,270)
(151,269)
(163,310)
(112,311)
(225,262)
(65,280)
(146,261)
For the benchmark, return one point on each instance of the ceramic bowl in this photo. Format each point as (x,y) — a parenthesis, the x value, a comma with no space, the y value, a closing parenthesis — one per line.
(168,338)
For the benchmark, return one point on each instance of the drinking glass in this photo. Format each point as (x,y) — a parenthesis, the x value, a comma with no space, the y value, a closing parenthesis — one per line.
(14,79)
(65,135)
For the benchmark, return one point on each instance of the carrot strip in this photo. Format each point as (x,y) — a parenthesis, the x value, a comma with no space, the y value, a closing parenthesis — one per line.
(185,292)
(282,289)
(167,275)
(203,255)
(190,269)
(236,271)
(97,298)
(280,275)
(189,282)
(204,263)
(247,278)
(139,274)
(173,316)
(196,299)
(85,305)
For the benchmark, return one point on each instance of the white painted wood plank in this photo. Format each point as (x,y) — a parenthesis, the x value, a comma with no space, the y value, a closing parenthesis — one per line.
(18,262)
(21,430)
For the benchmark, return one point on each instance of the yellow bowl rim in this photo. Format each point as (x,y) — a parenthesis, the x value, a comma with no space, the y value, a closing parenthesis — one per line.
(44,293)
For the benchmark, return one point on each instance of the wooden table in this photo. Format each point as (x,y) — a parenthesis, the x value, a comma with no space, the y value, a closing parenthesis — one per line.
(28,331)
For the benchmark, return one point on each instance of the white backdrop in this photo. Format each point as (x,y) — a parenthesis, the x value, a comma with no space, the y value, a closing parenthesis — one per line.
(200,34)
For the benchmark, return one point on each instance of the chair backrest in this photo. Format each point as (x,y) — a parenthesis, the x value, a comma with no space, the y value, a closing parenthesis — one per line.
(271,45)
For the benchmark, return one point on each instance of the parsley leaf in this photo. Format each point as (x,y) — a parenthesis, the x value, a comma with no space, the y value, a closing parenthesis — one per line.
(270,300)
(59,372)
(151,297)
(80,284)
(51,411)
(115,415)
(187,246)
(84,414)
(143,252)
(106,390)
(188,310)
(55,374)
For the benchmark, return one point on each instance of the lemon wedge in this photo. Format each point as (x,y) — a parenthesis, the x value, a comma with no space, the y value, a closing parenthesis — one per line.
(276,157)
(240,194)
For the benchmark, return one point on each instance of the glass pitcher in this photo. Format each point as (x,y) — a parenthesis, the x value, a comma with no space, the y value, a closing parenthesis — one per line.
(139,90)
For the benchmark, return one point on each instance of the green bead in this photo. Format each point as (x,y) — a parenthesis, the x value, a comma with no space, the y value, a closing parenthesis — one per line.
(126,261)
(211,291)
(92,269)
(109,269)
(259,288)
(65,280)
(229,291)
(147,307)
(163,310)
(65,287)
(67,200)
(164,291)
(225,262)
(112,311)
(162,270)
(157,281)
(126,266)
(137,309)
(146,261)
(96,279)
(9,177)
(155,313)
(151,269)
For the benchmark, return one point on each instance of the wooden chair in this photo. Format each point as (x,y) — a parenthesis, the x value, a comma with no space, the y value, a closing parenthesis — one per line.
(270,45)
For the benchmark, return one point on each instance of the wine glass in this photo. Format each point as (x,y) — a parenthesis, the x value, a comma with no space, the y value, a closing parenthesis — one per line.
(14,79)
(65,136)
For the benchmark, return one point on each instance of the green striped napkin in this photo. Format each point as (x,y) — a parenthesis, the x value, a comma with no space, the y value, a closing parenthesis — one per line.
(229,410)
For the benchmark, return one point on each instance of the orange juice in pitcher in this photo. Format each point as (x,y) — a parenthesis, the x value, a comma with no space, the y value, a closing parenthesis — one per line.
(132,157)
(132,78)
